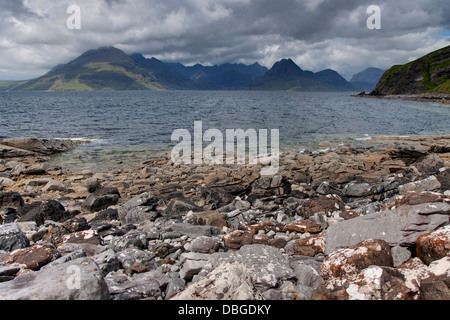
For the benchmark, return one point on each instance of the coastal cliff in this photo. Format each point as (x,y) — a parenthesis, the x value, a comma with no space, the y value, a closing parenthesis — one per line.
(429,74)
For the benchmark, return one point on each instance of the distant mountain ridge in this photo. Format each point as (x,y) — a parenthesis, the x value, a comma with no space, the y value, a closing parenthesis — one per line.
(368,78)
(109,68)
(225,76)
(286,75)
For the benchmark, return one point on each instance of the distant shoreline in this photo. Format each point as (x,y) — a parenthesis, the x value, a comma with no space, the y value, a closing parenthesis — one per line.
(438,98)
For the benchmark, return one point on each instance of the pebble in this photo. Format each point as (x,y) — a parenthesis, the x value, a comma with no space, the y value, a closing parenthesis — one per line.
(151,253)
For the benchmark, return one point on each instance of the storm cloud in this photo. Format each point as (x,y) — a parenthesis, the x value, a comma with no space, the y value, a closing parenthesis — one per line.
(316,34)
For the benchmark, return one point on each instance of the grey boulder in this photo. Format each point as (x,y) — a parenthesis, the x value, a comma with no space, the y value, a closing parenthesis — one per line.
(79,279)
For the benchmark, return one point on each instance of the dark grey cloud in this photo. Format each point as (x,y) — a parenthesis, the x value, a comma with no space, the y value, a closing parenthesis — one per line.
(317,34)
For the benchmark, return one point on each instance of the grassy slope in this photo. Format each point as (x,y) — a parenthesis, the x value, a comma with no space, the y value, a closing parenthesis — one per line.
(430,73)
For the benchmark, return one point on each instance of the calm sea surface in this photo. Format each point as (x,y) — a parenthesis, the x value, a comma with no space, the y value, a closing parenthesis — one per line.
(135,124)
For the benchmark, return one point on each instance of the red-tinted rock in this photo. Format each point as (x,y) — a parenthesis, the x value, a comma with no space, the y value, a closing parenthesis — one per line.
(433,245)
(237,239)
(260,239)
(88,236)
(310,246)
(372,283)
(33,258)
(413,198)
(303,226)
(349,261)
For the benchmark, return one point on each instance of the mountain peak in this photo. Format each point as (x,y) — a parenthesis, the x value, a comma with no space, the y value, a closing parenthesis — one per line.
(102,54)
(285,68)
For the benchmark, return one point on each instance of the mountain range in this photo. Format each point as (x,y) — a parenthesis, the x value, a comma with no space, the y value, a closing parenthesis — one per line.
(109,68)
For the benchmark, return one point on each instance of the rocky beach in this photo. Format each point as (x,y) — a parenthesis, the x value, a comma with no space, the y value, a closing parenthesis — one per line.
(347,222)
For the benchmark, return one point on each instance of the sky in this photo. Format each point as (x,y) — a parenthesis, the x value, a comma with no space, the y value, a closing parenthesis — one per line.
(316,34)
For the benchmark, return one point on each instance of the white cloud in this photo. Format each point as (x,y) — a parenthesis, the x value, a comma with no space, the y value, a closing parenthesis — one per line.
(317,34)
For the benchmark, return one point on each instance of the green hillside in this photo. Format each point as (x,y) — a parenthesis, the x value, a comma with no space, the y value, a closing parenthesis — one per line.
(106,68)
(429,74)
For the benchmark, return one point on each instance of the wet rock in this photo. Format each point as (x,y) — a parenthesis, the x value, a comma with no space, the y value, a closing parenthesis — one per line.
(41,146)
(11,238)
(434,245)
(78,279)
(11,152)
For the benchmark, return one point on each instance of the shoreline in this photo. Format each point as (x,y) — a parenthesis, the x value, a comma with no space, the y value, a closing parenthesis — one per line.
(437,98)
(178,227)
(112,159)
